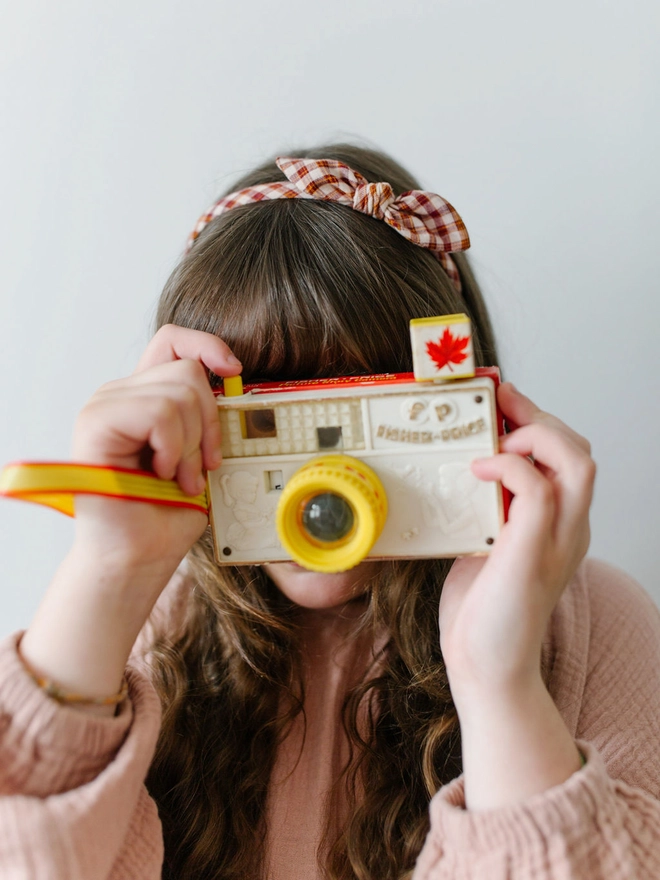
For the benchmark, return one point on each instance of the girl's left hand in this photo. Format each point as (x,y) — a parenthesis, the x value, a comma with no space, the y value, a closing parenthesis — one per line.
(494,610)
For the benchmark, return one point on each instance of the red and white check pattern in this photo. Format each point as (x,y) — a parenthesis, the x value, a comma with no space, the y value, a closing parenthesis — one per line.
(424,218)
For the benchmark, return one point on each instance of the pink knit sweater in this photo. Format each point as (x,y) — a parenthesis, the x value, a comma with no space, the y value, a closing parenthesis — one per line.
(73,805)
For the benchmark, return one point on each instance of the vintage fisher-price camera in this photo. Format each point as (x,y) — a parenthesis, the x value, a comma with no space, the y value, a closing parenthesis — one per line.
(329,472)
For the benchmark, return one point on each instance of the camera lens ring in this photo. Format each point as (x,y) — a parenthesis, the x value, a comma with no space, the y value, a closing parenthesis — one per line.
(356,482)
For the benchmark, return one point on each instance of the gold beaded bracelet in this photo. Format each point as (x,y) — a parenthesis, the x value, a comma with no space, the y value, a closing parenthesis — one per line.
(52,689)
(55,691)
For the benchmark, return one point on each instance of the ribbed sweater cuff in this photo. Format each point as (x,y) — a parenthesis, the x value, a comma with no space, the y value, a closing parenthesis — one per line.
(563,810)
(48,741)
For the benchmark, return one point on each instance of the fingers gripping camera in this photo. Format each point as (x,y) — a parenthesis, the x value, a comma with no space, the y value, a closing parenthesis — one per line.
(329,472)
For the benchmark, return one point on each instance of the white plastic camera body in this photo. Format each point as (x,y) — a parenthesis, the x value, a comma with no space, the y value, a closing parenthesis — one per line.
(417,438)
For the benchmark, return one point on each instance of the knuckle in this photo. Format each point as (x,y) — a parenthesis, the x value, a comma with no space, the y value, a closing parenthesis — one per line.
(191,370)
(165,410)
(587,471)
(165,331)
(542,491)
(106,387)
(91,410)
(192,455)
(582,442)
(85,416)
(162,337)
(187,396)
(579,441)
(535,433)
(112,387)
(545,419)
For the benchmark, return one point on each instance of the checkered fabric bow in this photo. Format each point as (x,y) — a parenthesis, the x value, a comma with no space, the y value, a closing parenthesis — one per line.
(424,218)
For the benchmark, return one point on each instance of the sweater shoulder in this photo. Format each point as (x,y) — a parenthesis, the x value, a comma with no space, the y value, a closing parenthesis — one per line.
(624,622)
(604,628)
(602,669)
(613,594)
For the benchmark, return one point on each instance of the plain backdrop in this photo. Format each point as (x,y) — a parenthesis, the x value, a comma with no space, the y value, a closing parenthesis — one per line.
(120,123)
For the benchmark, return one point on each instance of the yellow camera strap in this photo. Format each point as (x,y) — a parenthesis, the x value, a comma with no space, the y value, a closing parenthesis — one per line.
(55,484)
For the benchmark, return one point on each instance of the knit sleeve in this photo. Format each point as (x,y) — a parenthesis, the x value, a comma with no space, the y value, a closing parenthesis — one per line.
(73,805)
(603,823)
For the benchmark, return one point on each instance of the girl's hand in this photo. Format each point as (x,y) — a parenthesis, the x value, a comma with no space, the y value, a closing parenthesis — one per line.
(494,611)
(163,418)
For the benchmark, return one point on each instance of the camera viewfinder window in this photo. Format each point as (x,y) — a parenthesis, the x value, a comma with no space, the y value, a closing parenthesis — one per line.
(329,438)
(274,481)
(259,423)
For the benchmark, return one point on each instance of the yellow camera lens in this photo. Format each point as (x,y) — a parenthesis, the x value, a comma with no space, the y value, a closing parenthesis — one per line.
(331,513)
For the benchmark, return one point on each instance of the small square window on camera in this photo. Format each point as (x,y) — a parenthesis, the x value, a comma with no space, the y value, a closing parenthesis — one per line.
(274,481)
(329,438)
(259,423)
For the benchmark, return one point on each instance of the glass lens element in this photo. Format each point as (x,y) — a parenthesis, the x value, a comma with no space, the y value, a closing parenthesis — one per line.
(327,517)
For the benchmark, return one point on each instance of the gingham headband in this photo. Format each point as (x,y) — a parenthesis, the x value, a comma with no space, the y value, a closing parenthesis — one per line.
(424,218)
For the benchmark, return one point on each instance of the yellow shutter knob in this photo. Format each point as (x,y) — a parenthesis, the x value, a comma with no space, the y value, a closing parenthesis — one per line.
(233,386)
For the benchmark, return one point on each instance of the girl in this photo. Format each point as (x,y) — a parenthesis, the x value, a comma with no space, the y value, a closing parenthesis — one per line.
(276,723)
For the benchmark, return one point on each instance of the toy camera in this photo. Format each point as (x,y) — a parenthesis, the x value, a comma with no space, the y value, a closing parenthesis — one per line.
(329,472)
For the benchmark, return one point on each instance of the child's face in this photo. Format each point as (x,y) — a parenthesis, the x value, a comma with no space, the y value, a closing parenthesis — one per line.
(311,589)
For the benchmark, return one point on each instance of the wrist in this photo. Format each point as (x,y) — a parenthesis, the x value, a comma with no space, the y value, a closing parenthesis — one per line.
(122,573)
(515,743)
(88,620)
(489,694)
(101,705)
(130,533)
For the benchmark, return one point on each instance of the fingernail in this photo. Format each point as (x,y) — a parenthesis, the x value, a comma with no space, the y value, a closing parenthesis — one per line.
(201,484)
(513,388)
(232,359)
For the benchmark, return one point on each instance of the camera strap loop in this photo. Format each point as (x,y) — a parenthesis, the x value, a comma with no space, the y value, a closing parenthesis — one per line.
(55,484)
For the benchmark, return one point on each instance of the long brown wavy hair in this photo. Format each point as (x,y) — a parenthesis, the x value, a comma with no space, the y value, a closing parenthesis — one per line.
(301,288)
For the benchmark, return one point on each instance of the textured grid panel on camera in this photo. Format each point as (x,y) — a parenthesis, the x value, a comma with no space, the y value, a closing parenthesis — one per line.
(296,425)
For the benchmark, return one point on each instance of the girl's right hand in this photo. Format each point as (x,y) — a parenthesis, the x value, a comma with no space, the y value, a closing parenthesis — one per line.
(163,417)
(125,552)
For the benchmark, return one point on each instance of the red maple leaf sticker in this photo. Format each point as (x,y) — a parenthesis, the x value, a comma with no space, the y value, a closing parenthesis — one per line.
(448,350)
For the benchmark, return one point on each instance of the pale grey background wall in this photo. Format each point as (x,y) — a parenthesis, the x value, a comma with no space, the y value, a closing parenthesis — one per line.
(119,123)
